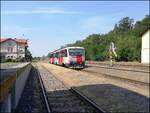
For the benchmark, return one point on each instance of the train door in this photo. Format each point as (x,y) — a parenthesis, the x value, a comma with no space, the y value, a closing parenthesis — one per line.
(55,58)
(49,56)
(60,58)
(64,55)
(52,59)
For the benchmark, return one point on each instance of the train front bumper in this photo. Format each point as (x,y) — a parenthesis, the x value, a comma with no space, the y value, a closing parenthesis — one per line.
(75,65)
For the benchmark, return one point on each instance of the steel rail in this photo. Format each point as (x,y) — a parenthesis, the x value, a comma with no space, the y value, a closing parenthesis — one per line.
(123,69)
(131,65)
(84,98)
(116,77)
(81,96)
(44,92)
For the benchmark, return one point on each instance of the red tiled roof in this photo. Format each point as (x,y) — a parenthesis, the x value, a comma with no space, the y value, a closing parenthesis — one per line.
(20,41)
(2,39)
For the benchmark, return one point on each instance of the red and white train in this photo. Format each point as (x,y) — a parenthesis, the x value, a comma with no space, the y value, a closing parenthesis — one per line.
(73,57)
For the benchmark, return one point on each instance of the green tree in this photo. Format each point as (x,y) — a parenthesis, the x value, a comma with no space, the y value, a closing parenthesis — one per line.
(126,37)
(28,55)
(125,24)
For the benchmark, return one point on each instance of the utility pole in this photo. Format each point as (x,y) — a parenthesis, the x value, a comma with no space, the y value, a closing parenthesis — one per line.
(112,53)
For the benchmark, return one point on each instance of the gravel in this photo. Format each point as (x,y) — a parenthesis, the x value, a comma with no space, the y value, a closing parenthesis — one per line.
(31,99)
(60,98)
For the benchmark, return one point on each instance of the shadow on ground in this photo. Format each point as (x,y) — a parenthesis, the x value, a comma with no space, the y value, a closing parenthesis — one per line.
(109,97)
(116,99)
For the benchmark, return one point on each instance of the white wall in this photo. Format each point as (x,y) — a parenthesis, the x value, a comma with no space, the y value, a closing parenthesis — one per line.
(20,83)
(145,47)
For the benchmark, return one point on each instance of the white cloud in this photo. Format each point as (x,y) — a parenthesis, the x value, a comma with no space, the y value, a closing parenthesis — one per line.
(39,11)
(96,24)
(15,30)
(92,22)
(100,24)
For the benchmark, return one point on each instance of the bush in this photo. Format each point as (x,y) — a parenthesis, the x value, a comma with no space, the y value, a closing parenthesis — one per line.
(8,60)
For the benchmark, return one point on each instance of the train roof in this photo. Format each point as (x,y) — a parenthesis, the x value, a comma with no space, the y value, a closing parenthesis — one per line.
(74,47)
(66,48)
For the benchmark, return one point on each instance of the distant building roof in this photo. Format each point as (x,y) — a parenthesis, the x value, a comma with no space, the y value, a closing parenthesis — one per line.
(20,41)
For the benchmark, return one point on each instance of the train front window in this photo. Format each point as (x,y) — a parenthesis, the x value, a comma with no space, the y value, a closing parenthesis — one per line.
(64,53)
(74,52)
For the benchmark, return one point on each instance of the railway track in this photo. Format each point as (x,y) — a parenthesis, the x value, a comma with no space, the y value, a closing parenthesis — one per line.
(61,98)
(119,68)
(121,64)
(117,78)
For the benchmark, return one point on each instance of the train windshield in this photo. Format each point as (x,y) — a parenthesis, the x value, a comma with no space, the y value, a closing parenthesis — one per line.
(74,52)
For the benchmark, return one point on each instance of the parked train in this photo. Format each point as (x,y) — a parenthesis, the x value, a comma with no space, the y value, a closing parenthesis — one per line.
(73,57)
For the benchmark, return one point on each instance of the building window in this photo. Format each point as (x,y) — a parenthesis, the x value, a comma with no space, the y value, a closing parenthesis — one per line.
(10,49)
(21,51)
(11,56)
(20,47)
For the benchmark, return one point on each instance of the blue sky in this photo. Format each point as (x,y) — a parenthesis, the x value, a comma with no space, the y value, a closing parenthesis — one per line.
(51,24)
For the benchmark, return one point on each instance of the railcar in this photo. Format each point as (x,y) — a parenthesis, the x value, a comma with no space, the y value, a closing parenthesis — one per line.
(73,57)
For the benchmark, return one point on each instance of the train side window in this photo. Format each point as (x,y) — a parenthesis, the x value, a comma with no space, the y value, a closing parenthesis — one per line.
(64,54)
(57,54)
(54,54)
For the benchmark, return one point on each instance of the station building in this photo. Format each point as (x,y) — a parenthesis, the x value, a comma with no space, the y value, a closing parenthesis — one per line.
(145,50)
(12,48)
